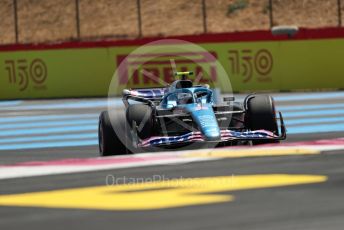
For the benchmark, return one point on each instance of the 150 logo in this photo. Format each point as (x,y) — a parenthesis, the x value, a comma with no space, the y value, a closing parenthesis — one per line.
(23,72)
(247,62)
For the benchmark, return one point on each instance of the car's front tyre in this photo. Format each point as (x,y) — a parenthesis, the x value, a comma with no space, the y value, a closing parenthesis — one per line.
(109,141)
(260,114)
(142,115)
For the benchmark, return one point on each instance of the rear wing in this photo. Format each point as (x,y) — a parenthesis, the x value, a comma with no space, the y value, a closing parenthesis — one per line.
(149,93)
(147,96)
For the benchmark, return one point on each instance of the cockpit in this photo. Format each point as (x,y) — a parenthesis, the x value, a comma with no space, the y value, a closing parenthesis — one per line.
(186,96)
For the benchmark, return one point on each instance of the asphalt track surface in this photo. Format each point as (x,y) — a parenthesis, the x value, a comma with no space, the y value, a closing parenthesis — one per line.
(307,205)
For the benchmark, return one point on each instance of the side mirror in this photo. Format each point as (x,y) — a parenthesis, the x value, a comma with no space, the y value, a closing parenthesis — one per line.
(171,104)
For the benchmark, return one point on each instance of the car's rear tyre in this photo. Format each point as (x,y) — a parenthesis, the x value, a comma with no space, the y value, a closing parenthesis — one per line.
(261,114)
(109,142)
(142,115)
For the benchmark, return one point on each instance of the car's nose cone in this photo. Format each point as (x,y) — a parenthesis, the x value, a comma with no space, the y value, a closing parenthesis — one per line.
(212,134)
(205,118)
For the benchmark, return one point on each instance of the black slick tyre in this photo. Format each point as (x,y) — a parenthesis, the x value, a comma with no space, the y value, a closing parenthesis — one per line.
(109,142)
(142,116)
(260,114)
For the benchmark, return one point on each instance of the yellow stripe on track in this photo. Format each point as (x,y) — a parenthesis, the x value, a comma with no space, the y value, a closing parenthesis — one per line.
(155,194)
(252,152)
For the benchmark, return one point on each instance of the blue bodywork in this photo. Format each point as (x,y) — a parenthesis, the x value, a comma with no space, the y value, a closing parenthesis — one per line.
(198,102)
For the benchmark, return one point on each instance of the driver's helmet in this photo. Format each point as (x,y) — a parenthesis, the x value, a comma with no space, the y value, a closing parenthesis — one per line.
(184,98)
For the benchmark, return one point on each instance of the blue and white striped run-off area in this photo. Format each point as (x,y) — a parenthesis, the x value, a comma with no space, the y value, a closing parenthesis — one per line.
(73,122)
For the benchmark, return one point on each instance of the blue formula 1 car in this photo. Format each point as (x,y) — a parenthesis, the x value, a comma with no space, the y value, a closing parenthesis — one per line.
(183,114)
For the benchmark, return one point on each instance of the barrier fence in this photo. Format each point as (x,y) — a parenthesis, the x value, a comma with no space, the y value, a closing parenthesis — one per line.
(205,16)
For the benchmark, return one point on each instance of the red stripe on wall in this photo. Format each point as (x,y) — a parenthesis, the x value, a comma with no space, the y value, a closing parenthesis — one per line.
(247,36)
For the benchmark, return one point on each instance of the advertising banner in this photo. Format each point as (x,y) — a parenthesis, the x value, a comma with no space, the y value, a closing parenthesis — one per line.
(283,65)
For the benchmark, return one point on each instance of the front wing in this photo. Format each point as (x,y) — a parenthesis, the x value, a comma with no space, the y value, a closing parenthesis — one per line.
(226,136)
